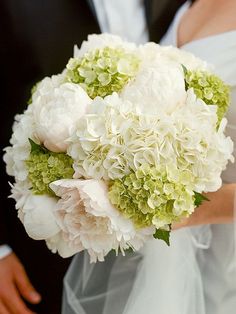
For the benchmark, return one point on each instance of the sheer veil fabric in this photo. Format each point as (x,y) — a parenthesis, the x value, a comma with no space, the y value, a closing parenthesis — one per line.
(197,274)
(150,281)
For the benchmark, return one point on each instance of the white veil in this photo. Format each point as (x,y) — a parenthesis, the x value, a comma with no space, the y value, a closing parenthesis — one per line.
(158,279)
(103,287)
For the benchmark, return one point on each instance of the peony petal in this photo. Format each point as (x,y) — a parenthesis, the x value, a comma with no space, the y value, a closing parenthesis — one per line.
(39,220)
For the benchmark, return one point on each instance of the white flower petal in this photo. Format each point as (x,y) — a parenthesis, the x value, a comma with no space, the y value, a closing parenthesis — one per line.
(89,221)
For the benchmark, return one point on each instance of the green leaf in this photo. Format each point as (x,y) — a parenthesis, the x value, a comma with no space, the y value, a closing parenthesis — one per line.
(185,70)
(199,198)
(36,147)
(162,235)
(33,90)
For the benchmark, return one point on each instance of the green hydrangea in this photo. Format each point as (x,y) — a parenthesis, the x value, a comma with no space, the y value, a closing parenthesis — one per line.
(33,90)
(103,71)
(210,88)
(45,167)
(148,196)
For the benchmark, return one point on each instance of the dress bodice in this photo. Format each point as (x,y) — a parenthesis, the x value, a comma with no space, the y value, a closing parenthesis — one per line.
(218,50)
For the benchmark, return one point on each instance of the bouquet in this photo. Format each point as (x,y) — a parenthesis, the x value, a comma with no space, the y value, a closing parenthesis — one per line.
(120,145)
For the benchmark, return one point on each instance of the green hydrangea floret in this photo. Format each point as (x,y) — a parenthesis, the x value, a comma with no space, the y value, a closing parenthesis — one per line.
(148,197)
(45,167)
(103,71)
(33,90)
(210,88)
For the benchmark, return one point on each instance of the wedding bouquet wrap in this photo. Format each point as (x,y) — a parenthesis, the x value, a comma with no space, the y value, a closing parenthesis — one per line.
(117,147)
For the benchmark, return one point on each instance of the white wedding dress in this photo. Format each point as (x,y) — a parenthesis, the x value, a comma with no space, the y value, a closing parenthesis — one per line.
(197,273)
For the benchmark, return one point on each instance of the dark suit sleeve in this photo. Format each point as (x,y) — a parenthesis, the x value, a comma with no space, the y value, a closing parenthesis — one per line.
(36,40)
(14,69)
(6,119)
(159,16)
(4,206)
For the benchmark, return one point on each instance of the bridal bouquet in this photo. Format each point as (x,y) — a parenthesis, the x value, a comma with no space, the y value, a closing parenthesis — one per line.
(120,145)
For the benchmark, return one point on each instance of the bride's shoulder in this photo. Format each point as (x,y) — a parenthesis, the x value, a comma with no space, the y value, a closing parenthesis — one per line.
(207,18)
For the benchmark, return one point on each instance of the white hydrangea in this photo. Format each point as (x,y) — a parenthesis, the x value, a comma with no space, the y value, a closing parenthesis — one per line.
(202,150)
(119,138)
(56,108)
(101,41)
(90,146)
(19,151)
(112,142)
(88,221)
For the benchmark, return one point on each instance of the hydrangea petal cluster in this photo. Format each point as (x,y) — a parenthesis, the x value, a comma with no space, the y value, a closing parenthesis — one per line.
(103,71)
(117,140)
(88,220)
(211,89)
(202,150)
(19,151)
(101,41)
(152,196)
(45,167)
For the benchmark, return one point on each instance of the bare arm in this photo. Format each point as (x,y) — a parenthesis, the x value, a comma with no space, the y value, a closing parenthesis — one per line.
(219,210)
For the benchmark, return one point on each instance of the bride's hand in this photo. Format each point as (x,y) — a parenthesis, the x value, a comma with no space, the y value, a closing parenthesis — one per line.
(218,210)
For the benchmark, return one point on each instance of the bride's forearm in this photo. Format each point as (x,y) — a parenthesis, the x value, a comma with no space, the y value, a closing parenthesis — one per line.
(218,210)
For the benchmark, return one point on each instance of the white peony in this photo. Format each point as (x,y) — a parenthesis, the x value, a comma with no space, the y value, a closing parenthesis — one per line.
(186,58)
(88,220)
(152,53)
(157,87)
(59,243)
(101,41)
(149,53)
(35,212)
(56,110)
